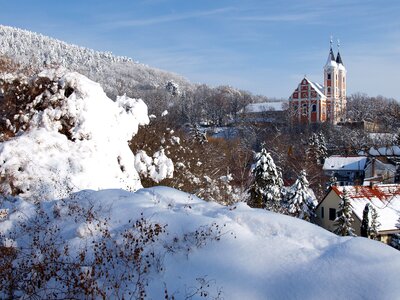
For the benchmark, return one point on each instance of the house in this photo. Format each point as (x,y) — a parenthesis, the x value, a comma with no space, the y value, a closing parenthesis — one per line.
(387,162)
(364,125)
(265,112)
(380,171)
(348,170)
(315,103)
(385,198)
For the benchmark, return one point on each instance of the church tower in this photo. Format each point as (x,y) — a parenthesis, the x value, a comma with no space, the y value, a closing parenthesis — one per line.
(331,76)
(335,87)
(315,103)
(341,85)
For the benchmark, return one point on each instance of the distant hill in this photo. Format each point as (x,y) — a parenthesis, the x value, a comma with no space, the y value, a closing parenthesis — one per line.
(117,74)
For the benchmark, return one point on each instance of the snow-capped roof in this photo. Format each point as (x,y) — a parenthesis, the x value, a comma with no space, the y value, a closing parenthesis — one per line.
(331,61)
(385,198)
(264,106)
(353,163)
(317,87)
(385,151)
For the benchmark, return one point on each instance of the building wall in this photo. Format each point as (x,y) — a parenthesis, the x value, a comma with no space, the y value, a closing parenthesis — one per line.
(332,200)
(306,105)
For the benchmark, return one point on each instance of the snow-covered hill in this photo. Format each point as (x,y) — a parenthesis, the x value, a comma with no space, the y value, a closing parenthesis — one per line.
(207,249)
(115,73)
(92,238)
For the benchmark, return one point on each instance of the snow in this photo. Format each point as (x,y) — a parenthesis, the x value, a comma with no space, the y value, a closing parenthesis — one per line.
(259,254)
(318,88)
(91,185)
(46,163)
(345,163)
(385,151)
(385,198)
(264,106)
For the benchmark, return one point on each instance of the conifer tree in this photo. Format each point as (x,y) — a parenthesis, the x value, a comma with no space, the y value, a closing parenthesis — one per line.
(300,201)
(197,136)
(312,150)
(322,149)
(344,220)
(317,151)
(365,221)
(267,182)
(395,241)
(373,229)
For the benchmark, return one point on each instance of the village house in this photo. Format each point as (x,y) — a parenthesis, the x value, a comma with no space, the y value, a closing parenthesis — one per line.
(348,170)
(315,103)
(265,112)
(385,198)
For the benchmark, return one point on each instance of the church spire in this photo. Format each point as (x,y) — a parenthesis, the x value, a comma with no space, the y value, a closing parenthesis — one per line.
(338,57)
(331,55)
(331,62)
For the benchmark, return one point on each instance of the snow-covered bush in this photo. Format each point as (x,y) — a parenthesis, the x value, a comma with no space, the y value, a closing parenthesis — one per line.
(64,134)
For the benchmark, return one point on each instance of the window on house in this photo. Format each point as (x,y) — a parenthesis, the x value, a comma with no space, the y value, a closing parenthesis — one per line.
(314,107)
(304,109)
(329,76)
(329,89)
(332,214)
(322,212)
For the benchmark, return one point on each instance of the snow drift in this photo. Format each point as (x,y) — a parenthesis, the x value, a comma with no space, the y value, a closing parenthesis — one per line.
(208,250)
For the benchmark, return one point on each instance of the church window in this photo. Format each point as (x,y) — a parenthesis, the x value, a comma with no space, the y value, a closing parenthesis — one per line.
(329,90)
(329,76)
(314,107)
(304,109)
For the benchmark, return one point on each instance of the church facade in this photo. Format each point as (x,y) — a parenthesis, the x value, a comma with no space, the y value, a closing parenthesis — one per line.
(313,103)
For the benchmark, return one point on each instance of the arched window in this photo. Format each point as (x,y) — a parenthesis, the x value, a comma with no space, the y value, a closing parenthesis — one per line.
(304,109)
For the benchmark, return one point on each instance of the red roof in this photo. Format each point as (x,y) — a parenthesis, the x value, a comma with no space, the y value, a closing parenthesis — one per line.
(382,191)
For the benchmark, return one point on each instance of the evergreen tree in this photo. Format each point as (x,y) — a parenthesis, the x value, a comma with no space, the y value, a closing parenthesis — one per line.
(197,136)
(373,229)
(317,151)
(344,220)
(267,182)
(395,240)
(365,221)
(312,150)
(300,201)
(322,149)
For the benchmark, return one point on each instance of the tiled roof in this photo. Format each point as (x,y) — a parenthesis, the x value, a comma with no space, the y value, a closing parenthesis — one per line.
(385,198)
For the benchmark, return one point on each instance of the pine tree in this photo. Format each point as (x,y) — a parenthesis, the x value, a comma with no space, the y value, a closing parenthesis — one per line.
(322,149)
(197,136)
(312,150)
(317,151)
(344,220)
(365,221)
(267,182)
(300,202)
(373,229)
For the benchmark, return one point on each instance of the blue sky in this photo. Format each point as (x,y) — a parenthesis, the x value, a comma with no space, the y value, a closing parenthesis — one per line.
(265,47)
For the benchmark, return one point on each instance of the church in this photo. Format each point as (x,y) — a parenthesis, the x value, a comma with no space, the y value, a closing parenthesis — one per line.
(314,103)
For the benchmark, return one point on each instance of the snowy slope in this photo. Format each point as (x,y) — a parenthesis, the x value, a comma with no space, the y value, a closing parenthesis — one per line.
(255,255)
(113,72)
